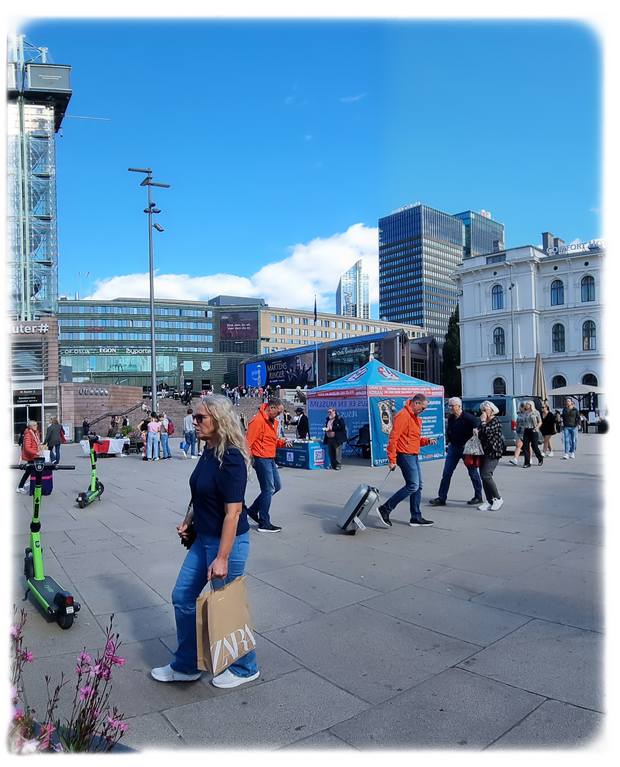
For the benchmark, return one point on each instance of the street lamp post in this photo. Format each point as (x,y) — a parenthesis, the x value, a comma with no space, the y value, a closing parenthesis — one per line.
(512,329)
(150,210)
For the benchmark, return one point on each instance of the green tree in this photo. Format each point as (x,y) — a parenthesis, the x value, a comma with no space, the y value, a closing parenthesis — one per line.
(451,375)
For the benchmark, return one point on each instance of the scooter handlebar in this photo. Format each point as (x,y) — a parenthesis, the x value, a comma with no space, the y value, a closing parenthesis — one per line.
(52,466)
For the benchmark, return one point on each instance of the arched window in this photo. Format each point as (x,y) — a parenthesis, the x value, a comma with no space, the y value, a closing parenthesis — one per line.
(499,341)
(587,288)
(588,336)
(590,401)
(497,297)
(558,338)
(499,386)
(589,379)
(556,383)
(557,293)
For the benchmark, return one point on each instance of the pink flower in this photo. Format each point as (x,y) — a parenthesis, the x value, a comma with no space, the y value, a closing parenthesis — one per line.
(18,714)
(117,724)
(86,692)
(27,656)
(16,632)
(101,671)
(84,657)
(116,660)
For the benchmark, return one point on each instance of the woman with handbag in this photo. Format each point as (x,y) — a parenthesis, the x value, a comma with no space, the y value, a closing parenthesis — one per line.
(547,429)
(221,547)
(531,434)
(492,440)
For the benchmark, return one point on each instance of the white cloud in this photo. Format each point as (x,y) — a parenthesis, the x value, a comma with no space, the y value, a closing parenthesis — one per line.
(352,99)
(311,268)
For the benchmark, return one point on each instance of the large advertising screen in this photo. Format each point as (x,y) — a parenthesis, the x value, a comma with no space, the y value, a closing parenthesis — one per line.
(238,326)
(287,372)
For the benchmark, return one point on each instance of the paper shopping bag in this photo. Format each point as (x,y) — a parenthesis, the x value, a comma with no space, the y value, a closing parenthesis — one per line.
(224,630)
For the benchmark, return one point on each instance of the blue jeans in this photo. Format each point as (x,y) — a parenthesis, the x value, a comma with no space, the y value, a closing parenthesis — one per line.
(570,439)
(55,454)
(152,444)
(190,441)
(453,456)
(191,580)
(165,447)
(269,481)
(410,468)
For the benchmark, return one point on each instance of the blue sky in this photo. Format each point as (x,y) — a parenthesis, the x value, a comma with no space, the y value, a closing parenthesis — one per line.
(285,141)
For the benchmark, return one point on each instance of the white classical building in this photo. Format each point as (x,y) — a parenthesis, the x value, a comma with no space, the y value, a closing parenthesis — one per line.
(528,300)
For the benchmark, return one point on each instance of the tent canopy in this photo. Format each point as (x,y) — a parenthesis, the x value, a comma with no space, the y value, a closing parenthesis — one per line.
(576,389)
(373,373)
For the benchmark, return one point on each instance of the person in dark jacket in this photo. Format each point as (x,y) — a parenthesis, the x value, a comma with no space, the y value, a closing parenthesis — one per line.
(570,422)
(53,440)
(303,427)
(459,428)
(547,429)
(335,437)
(490,435)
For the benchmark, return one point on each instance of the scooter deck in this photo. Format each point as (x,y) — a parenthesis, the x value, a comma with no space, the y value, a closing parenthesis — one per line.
(44,592)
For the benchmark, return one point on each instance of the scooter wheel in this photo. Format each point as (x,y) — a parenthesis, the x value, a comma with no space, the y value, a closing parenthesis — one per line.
(100,487)
(65,621)
(81,503)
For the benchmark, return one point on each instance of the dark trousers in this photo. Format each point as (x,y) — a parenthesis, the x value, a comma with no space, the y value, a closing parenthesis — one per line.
(269,481)
(335,453)
(530,442)
(453,456)
(486,474)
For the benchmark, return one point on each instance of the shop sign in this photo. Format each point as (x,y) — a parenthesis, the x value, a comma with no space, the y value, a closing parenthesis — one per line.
(29,328)
(575,247)
(87,391)
(27,396)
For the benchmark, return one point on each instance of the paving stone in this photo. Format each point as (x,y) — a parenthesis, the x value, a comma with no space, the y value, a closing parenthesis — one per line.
(96,563)
(553,593)
(141,623)
(582,557)
(549,659)
(151,731)
(321,591)
(372,655)
(268,715)
(454,617)
(581,532)
(461,584)
(271,608)
(452,710)
(322,741)
(554,724)
(117,592)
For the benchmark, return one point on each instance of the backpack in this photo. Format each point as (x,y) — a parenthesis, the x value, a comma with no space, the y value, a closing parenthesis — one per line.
(170,427)
(20,439)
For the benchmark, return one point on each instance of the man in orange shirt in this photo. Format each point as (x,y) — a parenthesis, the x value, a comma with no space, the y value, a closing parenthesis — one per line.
(403,449)
(262,439)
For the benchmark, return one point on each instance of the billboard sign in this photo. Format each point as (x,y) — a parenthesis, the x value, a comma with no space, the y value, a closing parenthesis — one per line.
(288,372)
(239,326)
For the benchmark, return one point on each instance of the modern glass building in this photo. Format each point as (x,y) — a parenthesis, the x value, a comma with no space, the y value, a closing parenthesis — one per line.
(482,233)
(419,248)
(352,295)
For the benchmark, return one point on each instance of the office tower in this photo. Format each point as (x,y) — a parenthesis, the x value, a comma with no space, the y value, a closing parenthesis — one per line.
(38,95)
(352,294)
(482,234)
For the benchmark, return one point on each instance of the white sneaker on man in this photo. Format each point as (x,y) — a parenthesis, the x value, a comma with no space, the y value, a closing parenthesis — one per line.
(565,456)
(514,461)
(484,506)
(571,455)
(497,504)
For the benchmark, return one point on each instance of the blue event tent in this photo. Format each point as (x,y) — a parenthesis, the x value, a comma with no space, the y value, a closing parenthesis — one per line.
(369,397)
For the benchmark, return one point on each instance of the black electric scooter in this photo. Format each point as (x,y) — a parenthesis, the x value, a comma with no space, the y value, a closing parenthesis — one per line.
(56,603)
(95,488)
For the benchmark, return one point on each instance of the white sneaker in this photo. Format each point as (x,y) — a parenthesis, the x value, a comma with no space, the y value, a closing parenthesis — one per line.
(550,454)
(565,456)
(156,459)
(195,457)
(514,461)
(484,507)
(20,490)
(571,455)
(227,679)
(168,674)
(497,504)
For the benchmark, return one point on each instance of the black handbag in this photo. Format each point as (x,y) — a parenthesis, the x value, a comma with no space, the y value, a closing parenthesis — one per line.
(191,534)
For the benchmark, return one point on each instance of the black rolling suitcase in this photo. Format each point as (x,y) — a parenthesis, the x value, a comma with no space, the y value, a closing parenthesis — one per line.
(357,508)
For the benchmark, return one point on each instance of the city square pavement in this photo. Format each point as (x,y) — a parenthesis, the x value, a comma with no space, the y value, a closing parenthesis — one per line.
(483,631)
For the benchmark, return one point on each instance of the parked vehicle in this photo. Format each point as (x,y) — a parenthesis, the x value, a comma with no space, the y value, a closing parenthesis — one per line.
(508,406)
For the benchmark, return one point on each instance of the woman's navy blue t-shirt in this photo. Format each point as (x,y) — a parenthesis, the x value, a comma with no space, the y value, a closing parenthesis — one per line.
(213,486)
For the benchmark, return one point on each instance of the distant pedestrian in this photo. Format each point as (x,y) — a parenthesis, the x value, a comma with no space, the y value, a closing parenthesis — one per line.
(531,431)
(30,449)
(125,421)
(153,438)
(492,441)
(547,430)
(335,435)
(163,436)
(558,422)
(143,429)
(570,422)
(53,440)
(262,439)
(189,435)
(459,429)
(403,448)
(303,428)
(520,428)
(85,428)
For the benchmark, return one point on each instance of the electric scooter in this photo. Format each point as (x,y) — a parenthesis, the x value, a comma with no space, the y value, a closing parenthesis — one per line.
(95,488)
(56,603)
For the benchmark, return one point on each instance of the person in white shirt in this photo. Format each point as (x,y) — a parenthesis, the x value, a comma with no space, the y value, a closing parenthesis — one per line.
(189,434)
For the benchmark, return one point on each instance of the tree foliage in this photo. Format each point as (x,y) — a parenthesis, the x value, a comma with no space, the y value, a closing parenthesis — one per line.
(451,375)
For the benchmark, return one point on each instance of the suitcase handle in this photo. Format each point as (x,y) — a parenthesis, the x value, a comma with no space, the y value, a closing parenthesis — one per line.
(382,485)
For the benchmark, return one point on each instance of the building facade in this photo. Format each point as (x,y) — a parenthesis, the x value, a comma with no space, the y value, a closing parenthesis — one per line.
(419,249)
(352,296)
(482,233)
(38,95)
(530,300)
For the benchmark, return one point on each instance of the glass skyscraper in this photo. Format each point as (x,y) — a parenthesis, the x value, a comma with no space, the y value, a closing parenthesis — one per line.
(419,248)
(352,294)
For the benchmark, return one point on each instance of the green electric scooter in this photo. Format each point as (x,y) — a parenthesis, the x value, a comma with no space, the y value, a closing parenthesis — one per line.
(56,603)
(95,488)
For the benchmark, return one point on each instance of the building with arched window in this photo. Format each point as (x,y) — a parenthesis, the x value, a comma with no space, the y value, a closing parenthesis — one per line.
(526,301)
